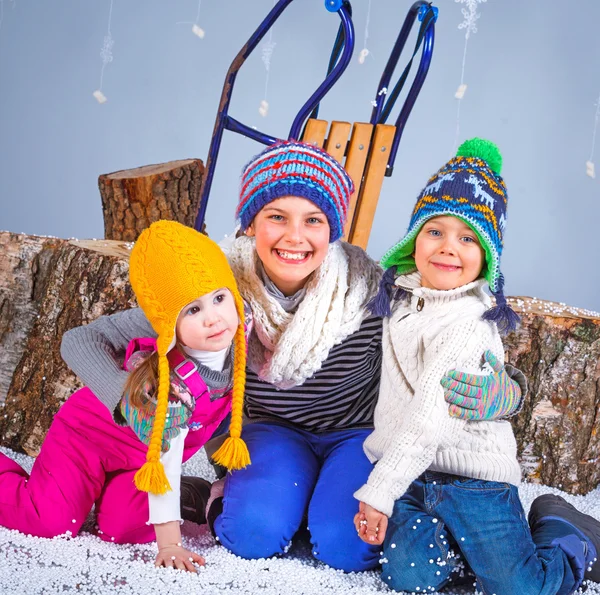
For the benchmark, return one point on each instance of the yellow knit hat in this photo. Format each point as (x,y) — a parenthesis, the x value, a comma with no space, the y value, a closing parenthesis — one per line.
(170,266)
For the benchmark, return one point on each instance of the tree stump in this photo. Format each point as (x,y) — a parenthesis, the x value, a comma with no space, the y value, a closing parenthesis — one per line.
(132,199)
(48,286)
(558,430)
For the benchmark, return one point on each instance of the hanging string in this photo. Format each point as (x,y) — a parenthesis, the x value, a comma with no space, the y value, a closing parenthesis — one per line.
(196,29)
(365,51)
(471,17)
(13,2)
(266,55)
(590,168)
(106,55)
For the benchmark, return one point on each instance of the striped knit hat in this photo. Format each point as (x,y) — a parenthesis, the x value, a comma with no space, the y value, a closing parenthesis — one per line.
(292,168)
(170,266)
(469,187)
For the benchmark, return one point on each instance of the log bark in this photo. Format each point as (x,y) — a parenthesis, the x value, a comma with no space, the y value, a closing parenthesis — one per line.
(48,286)
(132,199)
(558,430)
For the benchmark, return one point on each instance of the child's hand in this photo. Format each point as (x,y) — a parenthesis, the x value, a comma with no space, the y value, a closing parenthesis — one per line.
(371,525)
(176,556)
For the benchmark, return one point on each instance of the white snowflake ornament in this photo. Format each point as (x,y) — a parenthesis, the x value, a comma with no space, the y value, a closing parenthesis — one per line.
(198,31)
(362,56)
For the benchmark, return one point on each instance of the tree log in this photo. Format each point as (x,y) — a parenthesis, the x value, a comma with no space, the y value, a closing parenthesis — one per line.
(558,430)
(48,286)
(132,199)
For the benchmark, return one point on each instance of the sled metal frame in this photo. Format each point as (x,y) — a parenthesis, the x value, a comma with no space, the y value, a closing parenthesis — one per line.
(367,150)
(226,122)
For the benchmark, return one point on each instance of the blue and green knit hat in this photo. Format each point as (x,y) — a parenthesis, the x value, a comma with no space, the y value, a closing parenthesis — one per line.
(469,187)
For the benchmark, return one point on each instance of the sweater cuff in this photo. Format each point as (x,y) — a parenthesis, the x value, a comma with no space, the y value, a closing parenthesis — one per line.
(375,498)
(112,391)
(521,380)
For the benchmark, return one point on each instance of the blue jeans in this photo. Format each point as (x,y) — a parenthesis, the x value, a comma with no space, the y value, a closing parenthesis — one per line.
(445,526)
(295,473)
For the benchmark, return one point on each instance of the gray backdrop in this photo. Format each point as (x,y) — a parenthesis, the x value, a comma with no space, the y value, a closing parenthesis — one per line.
(532,71)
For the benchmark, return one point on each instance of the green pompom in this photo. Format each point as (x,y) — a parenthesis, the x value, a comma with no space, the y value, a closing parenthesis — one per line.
(483,149)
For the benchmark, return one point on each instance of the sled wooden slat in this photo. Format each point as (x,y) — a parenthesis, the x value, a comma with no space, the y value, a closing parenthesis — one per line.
(371,186)
(337,140)
(315,132)
(356,158)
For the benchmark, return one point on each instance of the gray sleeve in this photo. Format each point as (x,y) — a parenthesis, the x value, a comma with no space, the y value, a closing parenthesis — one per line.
(95,352)
(521,380)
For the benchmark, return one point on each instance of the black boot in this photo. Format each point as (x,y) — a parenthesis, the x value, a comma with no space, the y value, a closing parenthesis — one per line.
(550,505)
(195,493)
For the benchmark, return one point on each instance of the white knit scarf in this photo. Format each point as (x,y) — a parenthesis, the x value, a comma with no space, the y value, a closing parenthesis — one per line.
(285,348)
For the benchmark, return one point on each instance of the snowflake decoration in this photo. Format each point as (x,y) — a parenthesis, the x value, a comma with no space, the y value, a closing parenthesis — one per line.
(106,51)
(471,15)
(267,52)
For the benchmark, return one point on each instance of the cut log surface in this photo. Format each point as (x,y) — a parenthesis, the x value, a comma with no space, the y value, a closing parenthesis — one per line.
(133,199)
(48,286)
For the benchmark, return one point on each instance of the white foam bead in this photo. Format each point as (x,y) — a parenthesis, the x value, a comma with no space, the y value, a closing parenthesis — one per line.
(460,92)
(100,97)
(198,31)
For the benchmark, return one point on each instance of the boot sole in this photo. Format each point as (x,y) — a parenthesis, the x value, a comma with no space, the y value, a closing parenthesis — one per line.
(559,507)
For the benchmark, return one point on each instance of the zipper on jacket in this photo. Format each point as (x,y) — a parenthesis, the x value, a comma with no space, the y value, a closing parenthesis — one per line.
(420,304)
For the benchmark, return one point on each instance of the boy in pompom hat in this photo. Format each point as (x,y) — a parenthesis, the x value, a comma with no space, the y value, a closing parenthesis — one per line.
(181,387)
(442,484)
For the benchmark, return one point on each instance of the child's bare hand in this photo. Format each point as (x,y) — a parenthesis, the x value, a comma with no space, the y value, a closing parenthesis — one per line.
(371,525)
(176,556)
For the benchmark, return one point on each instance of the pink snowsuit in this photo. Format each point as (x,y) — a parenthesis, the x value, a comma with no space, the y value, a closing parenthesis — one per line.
(87,458)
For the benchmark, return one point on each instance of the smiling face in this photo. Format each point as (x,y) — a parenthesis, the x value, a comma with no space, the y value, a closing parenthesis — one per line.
(208,323)
(292,240)
(448,253)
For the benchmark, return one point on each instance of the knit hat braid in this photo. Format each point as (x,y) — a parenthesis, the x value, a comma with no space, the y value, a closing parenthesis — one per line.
(291,168)
(170,266)
(469,187)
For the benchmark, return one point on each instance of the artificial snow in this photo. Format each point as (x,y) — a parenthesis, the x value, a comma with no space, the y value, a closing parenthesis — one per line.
(84,564)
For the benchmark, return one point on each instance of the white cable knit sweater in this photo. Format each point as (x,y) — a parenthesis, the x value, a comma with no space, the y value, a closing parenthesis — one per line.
(433,332)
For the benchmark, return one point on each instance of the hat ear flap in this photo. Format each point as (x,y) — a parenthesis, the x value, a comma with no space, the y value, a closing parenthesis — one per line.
(151,477)
(380,304)
(502,314)
(233,453)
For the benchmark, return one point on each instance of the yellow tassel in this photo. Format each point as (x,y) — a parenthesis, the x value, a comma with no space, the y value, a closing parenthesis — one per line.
(233,454)
(152,478)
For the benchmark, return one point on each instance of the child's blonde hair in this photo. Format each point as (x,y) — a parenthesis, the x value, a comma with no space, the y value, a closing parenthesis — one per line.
(143,379)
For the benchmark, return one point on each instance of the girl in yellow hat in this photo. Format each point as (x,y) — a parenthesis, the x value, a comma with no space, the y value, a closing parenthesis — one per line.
(180,387)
